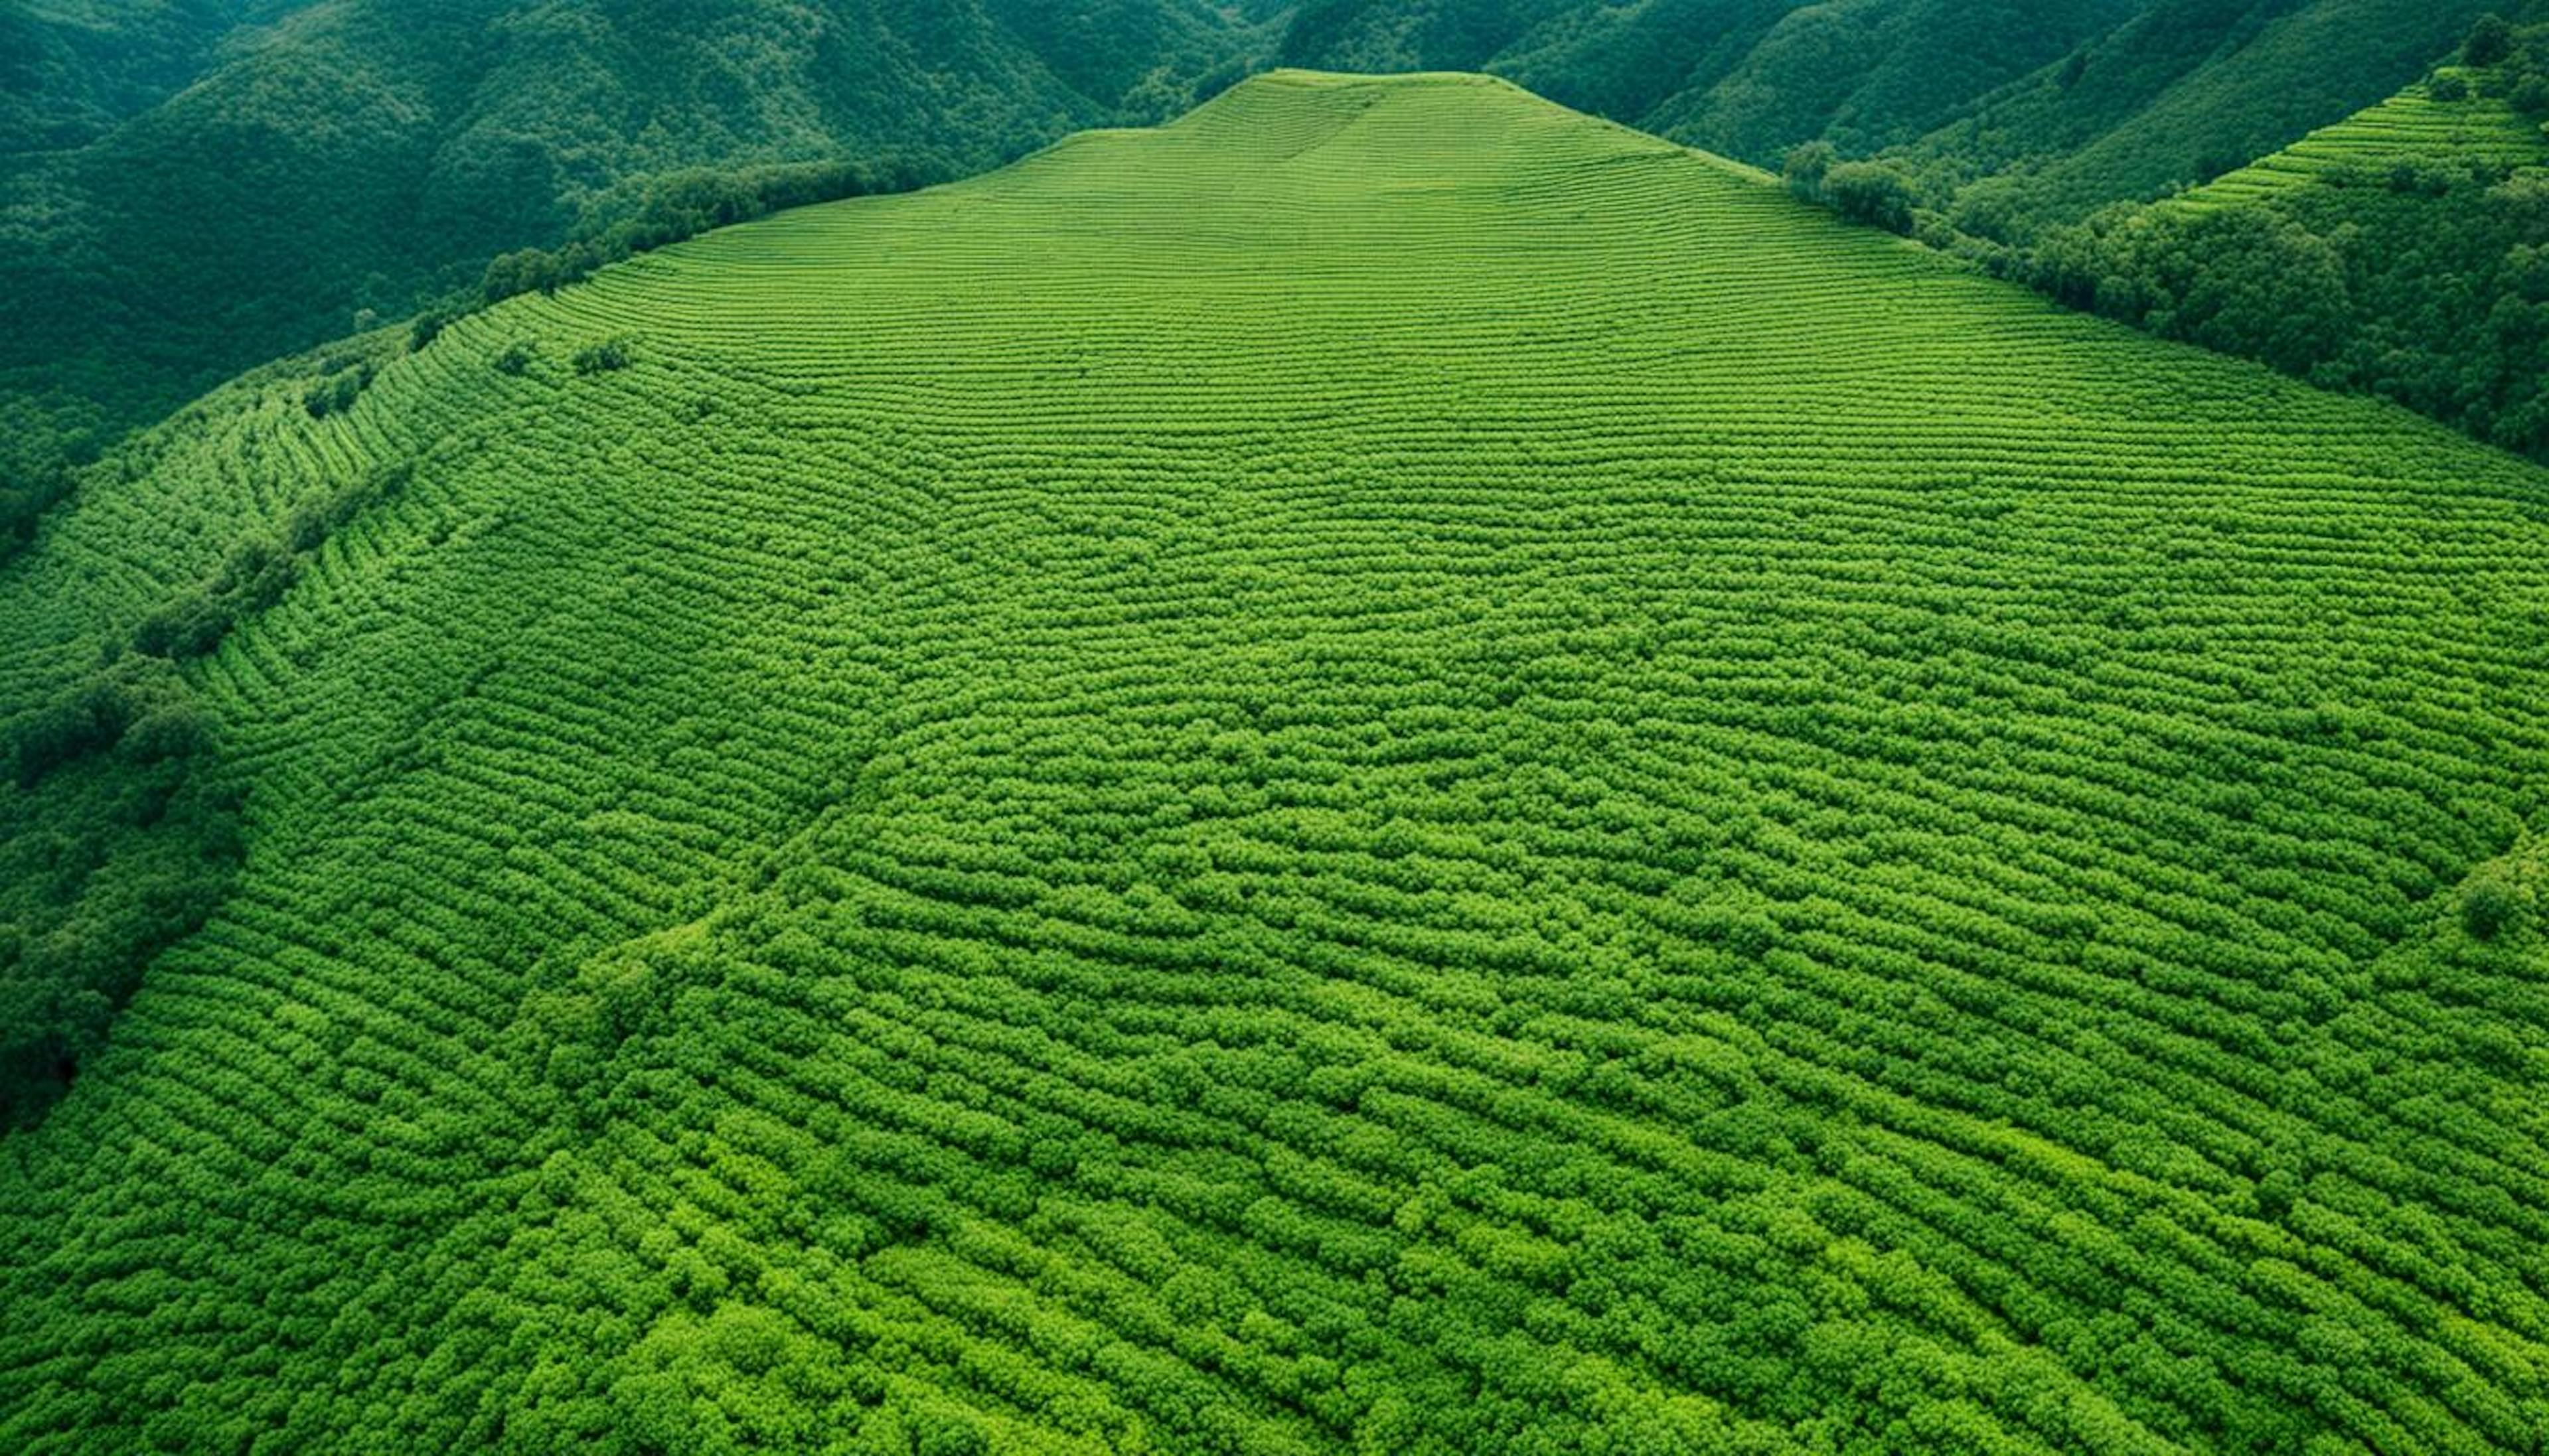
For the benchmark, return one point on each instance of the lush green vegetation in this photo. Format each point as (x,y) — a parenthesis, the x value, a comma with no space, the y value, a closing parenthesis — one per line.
(360,159)
(1387,771)
(2403,252)
(71,70)
(2009,117)
(1747,78)
(121,833)
(188,189)
(2024,136)
(666,210)
(116,838)
(2184,92)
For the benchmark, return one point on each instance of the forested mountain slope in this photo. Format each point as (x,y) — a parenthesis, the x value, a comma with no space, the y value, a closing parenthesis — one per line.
(2402,252)
(2187,91)
(70,70)
(362,154)
(1386,770)
(1745,77)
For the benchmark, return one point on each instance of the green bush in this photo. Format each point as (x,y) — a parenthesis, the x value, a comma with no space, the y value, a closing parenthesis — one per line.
(189,625)
(603,357)
(428,328)
(336,395)
(2489,905)
(1806,166)
(2490,40)
(1871,194)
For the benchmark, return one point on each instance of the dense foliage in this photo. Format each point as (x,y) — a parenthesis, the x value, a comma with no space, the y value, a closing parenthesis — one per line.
(70,71)
(2184,92)
(344,164)
(1861,192)
(117,837)
(1747,78)
(2014,115)
(2403,253)
(1388,771)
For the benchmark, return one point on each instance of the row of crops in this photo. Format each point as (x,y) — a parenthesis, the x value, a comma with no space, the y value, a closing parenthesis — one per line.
(1388,771)
(2412,127)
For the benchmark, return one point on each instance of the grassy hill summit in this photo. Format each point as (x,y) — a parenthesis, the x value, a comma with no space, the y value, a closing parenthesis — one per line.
(1386,770)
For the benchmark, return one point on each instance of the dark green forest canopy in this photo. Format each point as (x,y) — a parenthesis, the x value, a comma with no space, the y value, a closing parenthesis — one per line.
(70,71)
(1388,771)
(2043,111)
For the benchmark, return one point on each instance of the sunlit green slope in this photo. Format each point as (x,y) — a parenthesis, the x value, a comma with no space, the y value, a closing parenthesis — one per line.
(1386,770)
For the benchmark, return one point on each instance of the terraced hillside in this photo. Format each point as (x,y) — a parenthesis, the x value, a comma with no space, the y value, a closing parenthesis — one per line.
(2411,126)
(1386,770)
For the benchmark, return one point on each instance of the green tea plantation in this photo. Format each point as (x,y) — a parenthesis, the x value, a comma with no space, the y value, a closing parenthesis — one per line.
(2412,129)
(1387,771)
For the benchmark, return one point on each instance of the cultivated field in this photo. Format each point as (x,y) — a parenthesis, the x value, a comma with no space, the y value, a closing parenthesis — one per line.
(2409,128)
(1386,770)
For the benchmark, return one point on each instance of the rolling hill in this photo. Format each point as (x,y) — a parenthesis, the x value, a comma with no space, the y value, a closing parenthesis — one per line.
(1389,769)
(192,188)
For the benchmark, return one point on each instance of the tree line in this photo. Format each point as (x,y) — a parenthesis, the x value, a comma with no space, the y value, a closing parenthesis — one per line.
(678,206)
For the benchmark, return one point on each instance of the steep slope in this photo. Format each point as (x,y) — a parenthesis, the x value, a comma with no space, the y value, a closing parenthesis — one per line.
(70,70)
(1389,769)
(334,167)
(2185,92)
(2414,129)
(1866,74)
(2402,252)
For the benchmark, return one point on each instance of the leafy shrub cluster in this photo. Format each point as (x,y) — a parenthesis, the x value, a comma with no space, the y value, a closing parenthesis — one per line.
(29,484)
(1867,193)
(118,833)
(2427,285)
(258,571)
(604,357)
(336,394)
